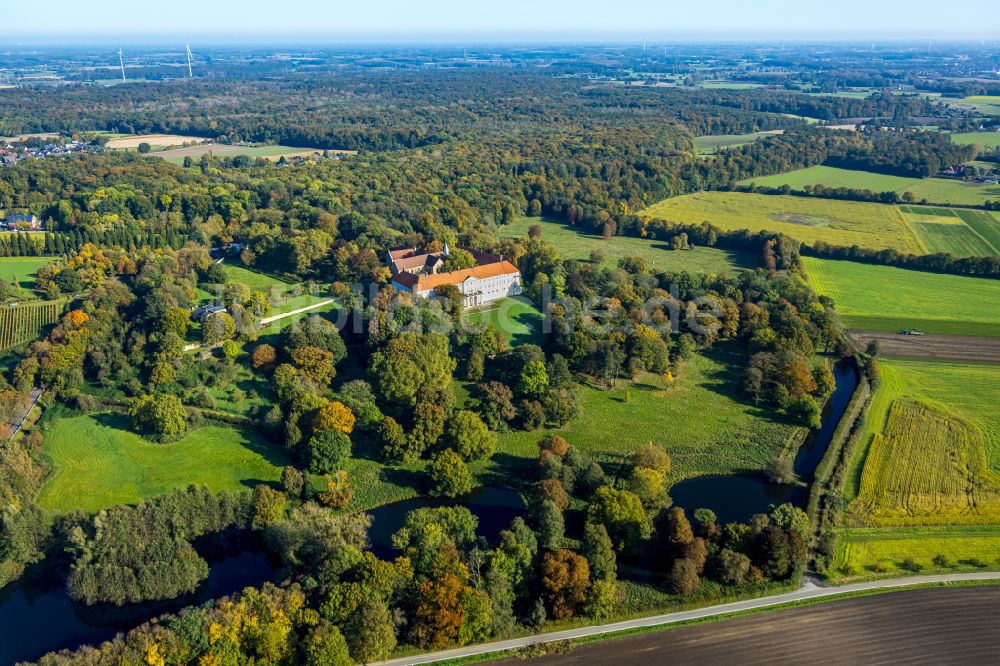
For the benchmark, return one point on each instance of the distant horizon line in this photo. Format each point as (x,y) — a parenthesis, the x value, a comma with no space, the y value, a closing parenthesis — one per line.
(314,40)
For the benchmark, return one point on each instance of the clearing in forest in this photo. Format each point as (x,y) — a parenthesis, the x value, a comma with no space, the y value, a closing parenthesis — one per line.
(575,243)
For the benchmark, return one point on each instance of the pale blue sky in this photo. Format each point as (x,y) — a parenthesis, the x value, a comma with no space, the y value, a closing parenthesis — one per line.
(323,20)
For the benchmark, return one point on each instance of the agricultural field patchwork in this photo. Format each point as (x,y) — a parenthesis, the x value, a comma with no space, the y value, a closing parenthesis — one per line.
(937,303)
(955,231)
(927,484)
(809,220)
(574,243)
(23,323)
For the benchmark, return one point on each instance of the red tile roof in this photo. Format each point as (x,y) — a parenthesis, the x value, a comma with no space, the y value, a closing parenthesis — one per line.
(427,282)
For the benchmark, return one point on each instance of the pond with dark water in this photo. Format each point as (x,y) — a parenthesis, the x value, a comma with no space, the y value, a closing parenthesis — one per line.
(35,620)
(737,497)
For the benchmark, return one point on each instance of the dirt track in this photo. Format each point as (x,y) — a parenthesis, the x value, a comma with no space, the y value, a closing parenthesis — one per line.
(923,626)
(932,347)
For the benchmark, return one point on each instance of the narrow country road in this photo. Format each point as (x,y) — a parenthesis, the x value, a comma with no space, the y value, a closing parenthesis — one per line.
(18,422)
(809,590)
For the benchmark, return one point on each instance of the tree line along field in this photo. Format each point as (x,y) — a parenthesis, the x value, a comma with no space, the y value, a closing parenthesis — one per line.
(837,222)
(177,155)
(936,303)
(700,418)
(925,481)
(23,323)
(934,190)
(574,243)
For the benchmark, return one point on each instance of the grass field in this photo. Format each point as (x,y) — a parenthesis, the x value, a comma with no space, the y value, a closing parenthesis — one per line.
(934,190)
(985,104)
(961,232)
(949,304)
(705,427)
(100,463)
(256,281)
(575,244)
(984,139)
(517,318)
(808,220)
(23,268)
(711,144)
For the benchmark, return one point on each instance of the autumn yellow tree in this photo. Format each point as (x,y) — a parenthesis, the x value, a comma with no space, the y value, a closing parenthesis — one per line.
(334,416)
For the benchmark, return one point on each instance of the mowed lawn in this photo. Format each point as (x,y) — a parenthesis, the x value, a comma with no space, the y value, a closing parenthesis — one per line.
(886,298)
(574,243)
(21,268)
(809,220)
(934,190)
(701,420)
(99,463)
(517,318)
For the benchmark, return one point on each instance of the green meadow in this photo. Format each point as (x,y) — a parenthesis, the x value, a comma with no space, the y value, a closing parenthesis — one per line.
(711,144)
(574,243)
(938,303)
(984,139)
(700,418)
(99,463)
(22,268)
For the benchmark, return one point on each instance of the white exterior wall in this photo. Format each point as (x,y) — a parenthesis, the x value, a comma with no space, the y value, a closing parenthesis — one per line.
(485,290)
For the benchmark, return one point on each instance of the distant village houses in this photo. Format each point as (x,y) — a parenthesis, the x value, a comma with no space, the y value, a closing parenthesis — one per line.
(22,223)
(422,273)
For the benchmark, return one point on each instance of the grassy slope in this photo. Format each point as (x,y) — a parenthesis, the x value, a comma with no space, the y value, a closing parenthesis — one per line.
(704,425)
(907,299)
(709,145)
(574,244)
(948,386)
(253,279)
(100,463)
(935,190)
(808,220)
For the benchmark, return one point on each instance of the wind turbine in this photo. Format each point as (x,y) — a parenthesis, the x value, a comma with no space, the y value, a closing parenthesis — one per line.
(121,61)
(187,47)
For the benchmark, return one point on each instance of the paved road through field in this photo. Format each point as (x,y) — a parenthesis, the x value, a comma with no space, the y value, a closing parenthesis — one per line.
(809,590)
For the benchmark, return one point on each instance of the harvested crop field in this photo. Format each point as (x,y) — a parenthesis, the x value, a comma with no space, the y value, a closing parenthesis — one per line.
(868,225)
(153,140)
(931,347)
(921,626)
